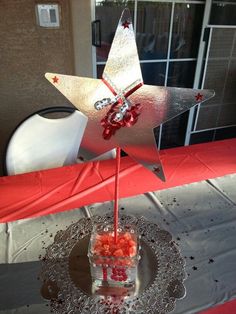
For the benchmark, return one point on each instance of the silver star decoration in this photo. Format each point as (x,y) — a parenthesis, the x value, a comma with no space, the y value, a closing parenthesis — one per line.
(121,110)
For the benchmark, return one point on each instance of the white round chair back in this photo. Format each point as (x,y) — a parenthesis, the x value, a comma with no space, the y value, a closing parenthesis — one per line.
(42,143)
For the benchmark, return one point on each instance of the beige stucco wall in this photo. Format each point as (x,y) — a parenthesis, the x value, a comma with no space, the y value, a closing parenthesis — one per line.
(82,42)
(27,51)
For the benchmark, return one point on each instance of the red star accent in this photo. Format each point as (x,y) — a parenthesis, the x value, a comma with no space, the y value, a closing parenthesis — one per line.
(199,97)
(155,169)
(55,79)
(125,24)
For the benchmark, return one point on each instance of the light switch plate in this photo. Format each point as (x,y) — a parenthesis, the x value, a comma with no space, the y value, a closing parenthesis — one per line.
(48,15)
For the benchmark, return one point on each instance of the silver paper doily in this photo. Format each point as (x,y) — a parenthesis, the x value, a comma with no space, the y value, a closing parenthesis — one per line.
(66,273)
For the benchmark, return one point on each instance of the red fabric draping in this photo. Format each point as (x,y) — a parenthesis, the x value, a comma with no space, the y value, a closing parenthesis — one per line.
(54,190)
(226,308)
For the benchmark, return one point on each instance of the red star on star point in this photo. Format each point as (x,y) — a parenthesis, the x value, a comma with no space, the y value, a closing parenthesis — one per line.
(199,97)
(125,24)
(81,158)
(55,79)
(156,169)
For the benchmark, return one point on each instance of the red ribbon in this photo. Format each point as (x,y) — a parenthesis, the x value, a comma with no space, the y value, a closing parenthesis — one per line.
(110,126)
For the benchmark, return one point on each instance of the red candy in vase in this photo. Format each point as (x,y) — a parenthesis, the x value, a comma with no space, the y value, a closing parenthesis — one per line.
(114,262)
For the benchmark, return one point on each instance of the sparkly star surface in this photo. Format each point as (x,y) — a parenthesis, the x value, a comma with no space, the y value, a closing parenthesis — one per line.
(121,93)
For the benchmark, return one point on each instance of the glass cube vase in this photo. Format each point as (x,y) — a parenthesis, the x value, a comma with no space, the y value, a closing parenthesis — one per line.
(114,264)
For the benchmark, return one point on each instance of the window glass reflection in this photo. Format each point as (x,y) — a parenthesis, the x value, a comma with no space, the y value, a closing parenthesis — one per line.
(173,131)
(223,13)
(220,76)
(186,32)
(153,20)
(109,12)
(181,74)
(202,137)
(154,73)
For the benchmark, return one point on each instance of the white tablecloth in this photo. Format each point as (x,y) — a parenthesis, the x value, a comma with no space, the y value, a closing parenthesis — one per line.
(201,218)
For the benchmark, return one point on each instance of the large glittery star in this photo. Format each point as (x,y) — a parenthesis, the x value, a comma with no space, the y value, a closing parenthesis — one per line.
(122,85)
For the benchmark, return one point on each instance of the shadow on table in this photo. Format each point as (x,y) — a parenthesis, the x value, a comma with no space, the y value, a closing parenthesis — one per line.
(20,285)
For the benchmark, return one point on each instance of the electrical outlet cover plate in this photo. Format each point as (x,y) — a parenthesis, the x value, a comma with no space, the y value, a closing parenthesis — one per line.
(48,15)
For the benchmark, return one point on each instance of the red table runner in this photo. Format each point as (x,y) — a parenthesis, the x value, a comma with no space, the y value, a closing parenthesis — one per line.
(54,190)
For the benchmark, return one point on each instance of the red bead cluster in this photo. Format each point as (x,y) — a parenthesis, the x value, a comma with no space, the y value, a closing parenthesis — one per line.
(125,248)
(110,126)
(119,274)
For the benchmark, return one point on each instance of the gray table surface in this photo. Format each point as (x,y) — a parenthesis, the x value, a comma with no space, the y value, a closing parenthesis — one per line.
(200,216)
